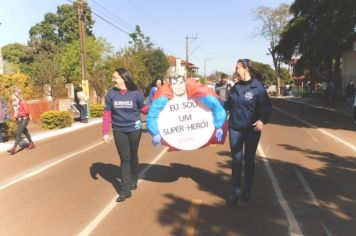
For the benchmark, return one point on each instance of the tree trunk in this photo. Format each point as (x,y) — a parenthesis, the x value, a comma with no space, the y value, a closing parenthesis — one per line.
(277,70)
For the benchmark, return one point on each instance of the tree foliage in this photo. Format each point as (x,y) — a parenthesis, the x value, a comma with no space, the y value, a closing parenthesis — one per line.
(19,80)
(319,32)
(61,27)
(97,51)
(273,22)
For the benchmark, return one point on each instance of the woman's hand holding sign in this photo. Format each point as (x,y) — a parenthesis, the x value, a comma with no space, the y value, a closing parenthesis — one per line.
(156,140)
(219,134)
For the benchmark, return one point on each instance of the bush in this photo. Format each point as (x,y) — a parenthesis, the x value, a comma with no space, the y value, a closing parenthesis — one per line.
(55,119)
(96,110)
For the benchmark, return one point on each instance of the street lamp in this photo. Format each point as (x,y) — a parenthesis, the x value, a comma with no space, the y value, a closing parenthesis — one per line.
(205,60)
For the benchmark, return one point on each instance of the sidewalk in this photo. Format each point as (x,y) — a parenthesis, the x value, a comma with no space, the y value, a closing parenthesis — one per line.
(339,106)
(37,133)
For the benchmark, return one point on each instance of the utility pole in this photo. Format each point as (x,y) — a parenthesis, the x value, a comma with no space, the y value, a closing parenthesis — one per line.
(82,34)
(187,38)
(205,60)
(83,50)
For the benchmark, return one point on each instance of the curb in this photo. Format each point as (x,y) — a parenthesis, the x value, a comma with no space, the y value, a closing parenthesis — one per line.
(51,133)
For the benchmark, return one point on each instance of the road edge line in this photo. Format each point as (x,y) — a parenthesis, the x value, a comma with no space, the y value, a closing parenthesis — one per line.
(294,229)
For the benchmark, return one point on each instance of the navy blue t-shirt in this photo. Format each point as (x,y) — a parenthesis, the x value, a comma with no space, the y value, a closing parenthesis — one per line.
(125,109)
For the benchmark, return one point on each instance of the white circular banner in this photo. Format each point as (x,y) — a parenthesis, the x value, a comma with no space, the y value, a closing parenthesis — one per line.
(185,125)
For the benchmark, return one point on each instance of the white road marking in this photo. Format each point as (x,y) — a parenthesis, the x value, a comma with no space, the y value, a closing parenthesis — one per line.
(103,213)
(352,147)
(312,136)
(45,167)
(319,107)
(312,197)
(294,229)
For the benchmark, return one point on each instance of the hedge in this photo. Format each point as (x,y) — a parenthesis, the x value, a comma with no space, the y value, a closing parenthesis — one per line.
(96,110)
(56,119)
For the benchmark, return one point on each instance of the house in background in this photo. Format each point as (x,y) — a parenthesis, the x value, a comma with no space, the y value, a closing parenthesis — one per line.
(181,67)
(348,70)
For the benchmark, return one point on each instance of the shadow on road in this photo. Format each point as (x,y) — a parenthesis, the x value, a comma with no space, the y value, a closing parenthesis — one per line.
(318,117)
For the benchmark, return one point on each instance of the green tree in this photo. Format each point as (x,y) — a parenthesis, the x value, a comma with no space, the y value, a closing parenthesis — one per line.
(267,72)
(273,22)
(156,63)
(61,27)
(139,41)
(15,54)
(97,51)
(319,32)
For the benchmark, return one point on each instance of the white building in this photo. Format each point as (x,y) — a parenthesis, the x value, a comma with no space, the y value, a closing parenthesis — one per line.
(180,67)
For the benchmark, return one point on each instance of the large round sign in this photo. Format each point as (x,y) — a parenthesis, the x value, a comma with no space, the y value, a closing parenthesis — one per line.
(185,125)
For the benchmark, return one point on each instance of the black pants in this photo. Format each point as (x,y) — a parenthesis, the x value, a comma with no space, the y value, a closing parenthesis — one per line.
(22,128)
(127,146)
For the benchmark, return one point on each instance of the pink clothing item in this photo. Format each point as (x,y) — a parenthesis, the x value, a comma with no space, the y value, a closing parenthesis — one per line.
(145,109)
(23,109)
(106,122)
(123,91)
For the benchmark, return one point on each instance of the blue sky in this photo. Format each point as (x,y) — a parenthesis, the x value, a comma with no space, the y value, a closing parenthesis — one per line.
(225,29)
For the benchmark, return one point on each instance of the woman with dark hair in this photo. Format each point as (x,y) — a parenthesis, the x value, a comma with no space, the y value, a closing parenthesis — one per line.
(123,105)
(155,85)
(22,117)
(250,109)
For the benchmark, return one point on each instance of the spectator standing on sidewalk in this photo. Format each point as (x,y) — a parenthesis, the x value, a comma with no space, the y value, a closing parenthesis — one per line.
(250,109)
(83,103)
(350,93)
(23,118)
(123,105)
(3,117)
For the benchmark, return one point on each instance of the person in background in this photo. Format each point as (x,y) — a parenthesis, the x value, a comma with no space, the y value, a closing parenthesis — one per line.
(250,109)
(83,103)
(350,93)
(3,117)
(223,87)
(123,105)
(23,117)
(155,85)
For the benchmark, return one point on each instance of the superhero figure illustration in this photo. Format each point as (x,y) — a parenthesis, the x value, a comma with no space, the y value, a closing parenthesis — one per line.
(181,88)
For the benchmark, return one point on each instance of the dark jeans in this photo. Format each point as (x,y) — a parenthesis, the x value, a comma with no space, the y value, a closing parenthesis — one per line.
(83,112)
(1,130)
(127,146)
(243,145)
(22,128)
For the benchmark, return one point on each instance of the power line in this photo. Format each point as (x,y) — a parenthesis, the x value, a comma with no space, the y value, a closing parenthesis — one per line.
(122,21)
(102,18)
(111,23)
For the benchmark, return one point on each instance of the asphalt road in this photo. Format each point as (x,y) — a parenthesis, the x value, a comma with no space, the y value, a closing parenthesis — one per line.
(304,184)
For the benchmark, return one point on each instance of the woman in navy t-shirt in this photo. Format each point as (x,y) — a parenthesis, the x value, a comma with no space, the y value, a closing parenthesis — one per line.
(123,105)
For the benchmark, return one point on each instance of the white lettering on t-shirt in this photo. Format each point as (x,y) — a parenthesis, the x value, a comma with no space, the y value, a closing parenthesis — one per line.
(123,104)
